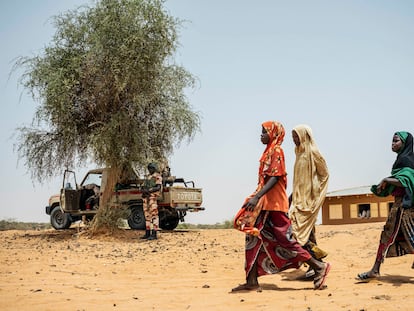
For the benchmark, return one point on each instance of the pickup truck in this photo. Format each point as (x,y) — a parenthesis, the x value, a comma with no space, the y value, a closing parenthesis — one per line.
(78,201)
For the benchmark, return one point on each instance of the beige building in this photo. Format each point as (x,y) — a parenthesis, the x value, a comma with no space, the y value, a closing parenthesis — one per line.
(355,205)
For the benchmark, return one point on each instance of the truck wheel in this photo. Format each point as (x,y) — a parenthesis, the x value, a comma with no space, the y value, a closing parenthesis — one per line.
(136,220)
(59,220)
(168,221)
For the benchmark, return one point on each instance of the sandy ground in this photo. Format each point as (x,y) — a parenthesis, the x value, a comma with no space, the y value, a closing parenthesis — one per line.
(188,270)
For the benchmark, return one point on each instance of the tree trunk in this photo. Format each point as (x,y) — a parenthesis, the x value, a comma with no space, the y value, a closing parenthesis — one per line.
(107,218)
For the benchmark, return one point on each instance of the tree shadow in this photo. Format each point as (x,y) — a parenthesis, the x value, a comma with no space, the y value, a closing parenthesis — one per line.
(79,232)
(54,235)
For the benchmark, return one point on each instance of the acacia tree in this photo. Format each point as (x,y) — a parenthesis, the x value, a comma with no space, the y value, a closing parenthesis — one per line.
(108,91)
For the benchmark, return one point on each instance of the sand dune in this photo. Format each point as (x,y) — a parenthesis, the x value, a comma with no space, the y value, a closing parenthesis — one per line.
(188,270)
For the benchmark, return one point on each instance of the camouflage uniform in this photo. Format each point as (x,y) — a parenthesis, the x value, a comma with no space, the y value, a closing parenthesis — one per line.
(150,202)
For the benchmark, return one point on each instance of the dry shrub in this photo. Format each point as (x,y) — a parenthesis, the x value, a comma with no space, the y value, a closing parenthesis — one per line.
(108,218)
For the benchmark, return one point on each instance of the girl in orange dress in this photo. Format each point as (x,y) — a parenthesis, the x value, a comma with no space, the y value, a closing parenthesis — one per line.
(270,245)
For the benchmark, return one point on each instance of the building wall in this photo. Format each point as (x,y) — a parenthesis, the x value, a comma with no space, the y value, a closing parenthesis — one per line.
(337,210)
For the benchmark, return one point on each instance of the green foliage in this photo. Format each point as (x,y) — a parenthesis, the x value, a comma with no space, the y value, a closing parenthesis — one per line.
(11,224)
(228,224)
(108,88)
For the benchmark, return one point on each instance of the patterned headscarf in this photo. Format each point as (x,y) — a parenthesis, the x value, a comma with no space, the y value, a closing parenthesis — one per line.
(269,166)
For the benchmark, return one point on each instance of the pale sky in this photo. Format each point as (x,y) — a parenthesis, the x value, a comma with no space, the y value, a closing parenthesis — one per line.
(345,68)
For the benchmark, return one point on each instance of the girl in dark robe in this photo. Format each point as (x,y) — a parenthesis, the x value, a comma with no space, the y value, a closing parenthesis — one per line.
(397,237)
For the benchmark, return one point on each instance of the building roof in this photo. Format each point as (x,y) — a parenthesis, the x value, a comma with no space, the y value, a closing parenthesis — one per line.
(350,191)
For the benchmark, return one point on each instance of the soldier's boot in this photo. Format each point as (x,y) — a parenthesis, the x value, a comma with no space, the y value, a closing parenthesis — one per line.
(153,235)
(147,235)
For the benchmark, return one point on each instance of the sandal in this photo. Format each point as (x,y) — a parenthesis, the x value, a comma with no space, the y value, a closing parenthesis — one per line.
(246,287)
(319,280)
(310,273)
(366,276)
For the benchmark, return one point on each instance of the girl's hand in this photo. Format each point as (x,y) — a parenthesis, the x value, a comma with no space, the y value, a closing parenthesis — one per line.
(251,204)
(381,186)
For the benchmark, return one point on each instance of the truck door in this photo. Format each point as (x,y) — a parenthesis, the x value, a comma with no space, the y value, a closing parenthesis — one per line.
(69,195)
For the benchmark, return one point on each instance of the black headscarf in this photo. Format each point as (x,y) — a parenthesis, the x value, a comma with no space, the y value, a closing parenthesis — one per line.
(405,159)
(405,156)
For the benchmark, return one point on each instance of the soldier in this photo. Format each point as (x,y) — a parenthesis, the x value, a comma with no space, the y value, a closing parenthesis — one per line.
(150,193)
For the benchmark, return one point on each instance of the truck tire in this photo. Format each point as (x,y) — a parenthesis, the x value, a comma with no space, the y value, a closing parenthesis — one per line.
(60,220)
(136,219)
(168,221)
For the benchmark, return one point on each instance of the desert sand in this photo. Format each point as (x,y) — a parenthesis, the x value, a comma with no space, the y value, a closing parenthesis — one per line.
(189,270)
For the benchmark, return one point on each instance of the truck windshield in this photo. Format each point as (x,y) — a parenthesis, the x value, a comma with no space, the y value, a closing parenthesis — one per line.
(93,178)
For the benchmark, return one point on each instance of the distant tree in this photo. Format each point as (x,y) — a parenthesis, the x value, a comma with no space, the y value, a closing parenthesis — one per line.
(109,91)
